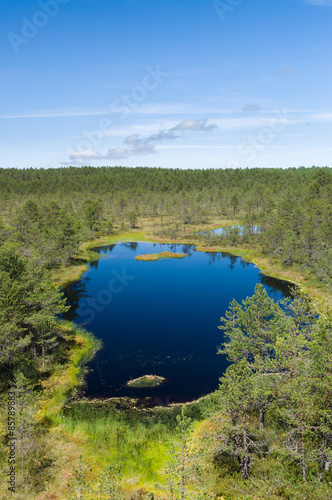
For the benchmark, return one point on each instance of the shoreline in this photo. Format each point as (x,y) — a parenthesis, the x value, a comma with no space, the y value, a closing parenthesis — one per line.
(320,297)
(316,290)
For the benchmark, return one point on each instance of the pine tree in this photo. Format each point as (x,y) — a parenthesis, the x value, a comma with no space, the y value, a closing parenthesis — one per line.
(321,355)
(251,330)
(29,307)
(176,471)
(237,440)
(295,403)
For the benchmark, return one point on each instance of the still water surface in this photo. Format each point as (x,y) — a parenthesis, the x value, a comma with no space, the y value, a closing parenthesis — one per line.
(160,317)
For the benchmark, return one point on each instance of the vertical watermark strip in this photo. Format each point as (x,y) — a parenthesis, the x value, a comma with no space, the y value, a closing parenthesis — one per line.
(11,441)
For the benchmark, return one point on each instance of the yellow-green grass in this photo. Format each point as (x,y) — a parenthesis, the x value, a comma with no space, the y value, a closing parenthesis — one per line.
(146,381)
(162,255)
(66,378)
(65,275)
(120,431)
(62,447)
(110,439)
(318,290)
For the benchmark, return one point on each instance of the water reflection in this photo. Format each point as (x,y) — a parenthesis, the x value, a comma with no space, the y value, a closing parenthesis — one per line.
(73,293)
(94,264)
(187,249)
(275,284)
(132,245)
(105,249)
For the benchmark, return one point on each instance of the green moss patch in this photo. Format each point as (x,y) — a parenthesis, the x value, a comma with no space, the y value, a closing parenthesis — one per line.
(146,381)
(162,255)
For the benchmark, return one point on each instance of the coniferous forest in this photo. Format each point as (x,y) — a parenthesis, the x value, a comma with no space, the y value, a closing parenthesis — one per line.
(265,433)
(50,212)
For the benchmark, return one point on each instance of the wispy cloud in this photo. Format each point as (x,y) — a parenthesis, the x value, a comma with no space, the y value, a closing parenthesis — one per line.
(88,154)
(53,113)
(136,145)
(321,3)
(251,108)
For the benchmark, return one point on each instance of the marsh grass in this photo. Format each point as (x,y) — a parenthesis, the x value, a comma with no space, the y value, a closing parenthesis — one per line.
(147,233)
(162,255)
(67,378)
(146,381)
(127,433)
(136,438)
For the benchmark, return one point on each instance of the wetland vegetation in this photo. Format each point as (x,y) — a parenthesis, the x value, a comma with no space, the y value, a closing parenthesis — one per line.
(161,255)
(266,431)
(146,381)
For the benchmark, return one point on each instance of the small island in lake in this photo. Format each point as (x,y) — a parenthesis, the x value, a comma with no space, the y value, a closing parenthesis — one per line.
(162,255)
(146,381)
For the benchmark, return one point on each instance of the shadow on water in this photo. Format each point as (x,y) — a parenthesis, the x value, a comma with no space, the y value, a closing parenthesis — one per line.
(104,250)
(132,245)
(275,284)
(73,293)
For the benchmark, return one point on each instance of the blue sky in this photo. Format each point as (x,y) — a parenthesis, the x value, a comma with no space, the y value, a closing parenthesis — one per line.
(167,83)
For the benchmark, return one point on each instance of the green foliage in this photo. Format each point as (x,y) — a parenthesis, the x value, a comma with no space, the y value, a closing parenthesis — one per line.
(277,377)
(292,208)
(110,483)
(79,483)
(29,306)
(92,210)
(273,423)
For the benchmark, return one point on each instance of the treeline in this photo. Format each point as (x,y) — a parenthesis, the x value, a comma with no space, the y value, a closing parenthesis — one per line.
(140,180)
(50,211)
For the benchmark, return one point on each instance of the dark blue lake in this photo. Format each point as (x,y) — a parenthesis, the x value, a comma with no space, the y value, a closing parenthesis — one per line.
(160,317)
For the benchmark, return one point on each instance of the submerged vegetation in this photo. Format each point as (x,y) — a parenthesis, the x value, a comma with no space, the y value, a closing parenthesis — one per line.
(267,432)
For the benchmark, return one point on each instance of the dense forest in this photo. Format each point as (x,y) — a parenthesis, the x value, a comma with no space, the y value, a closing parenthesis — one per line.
(266,433)
(51,211)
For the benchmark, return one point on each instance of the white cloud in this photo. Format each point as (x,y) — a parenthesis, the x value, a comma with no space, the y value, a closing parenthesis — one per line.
(251,108)
(194,125)
(85,155)
(136,145)
(54,113)
(139,147)
(142,142)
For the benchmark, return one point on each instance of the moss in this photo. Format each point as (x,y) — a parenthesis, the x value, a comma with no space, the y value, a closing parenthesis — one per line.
(68,377)
(162,255)
(146,381)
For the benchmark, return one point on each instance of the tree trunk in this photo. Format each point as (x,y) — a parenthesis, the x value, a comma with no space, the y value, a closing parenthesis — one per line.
(182,464)
(245,460)
(302,453)
(22,467)
(261,416)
